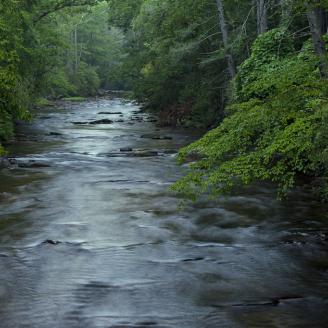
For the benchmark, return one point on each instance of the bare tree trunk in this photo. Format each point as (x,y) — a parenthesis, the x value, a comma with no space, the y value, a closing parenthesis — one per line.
(262,16)
(225,38)
(76,49)
(314,18)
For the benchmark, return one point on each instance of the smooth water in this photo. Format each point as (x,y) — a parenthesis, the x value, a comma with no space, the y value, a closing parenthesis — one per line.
(97,240)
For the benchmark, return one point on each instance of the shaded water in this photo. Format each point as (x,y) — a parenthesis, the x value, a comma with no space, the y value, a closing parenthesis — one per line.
(126,257)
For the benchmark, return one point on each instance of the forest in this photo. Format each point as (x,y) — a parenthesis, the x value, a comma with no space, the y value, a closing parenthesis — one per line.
(163,163)
(254,73)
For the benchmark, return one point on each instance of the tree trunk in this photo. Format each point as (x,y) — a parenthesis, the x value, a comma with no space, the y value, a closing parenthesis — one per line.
(314,16)
(225,38)
(262,16)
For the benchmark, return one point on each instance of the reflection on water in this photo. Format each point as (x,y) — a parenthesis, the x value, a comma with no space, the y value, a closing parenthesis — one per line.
(95,239)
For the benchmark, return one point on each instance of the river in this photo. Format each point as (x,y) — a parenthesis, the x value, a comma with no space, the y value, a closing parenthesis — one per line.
(91,237)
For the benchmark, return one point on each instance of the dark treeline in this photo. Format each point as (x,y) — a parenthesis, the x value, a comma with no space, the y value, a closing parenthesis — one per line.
(256,69)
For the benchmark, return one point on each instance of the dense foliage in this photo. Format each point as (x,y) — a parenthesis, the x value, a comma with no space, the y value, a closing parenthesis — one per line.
(51,49)
(257,70)
(176,64)
(258,67)
(275,129)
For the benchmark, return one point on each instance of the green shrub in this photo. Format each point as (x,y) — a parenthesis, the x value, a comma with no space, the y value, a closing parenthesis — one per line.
(86,80)
(277,132)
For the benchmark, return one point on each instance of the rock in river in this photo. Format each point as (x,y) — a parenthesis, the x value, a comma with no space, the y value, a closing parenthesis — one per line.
(54,134)
(110,113)
(131,153)
(4,163)
(51,242)
(126,149)
(31,164)
(104,121)
(155,137)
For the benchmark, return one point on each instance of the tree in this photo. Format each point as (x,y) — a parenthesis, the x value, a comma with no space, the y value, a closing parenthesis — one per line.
(262,16)
(225,38)
(314,15)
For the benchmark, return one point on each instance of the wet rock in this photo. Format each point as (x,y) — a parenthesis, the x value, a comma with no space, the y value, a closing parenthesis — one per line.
(51,242)
(110,113)
(294,239)
(80,123)
(271,302)
(138,325)
(285,298)
(54,134)
(126,149)
(145,153)
(119,121)
(156,137)
(4,163)
(146,323)
(194,259)
(138,153)
(12,161)
(31,164)
(104,121)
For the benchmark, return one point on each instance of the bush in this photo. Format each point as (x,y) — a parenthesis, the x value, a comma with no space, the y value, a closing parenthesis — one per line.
(277,132)
(86,80)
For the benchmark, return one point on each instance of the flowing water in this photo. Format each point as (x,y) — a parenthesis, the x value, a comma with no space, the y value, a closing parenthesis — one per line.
(93,238)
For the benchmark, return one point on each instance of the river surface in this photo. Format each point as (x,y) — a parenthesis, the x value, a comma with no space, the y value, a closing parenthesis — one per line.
(96,240)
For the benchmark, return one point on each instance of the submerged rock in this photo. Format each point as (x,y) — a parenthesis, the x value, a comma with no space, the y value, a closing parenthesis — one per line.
(131,153)
(193,259)
(271,302)
(80,123)
(54,134)
(110,113)
(155,137)
(4,163)
(32,164)
(51,242)
(13,161)
(144,153)
(104,121)
(126,149)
